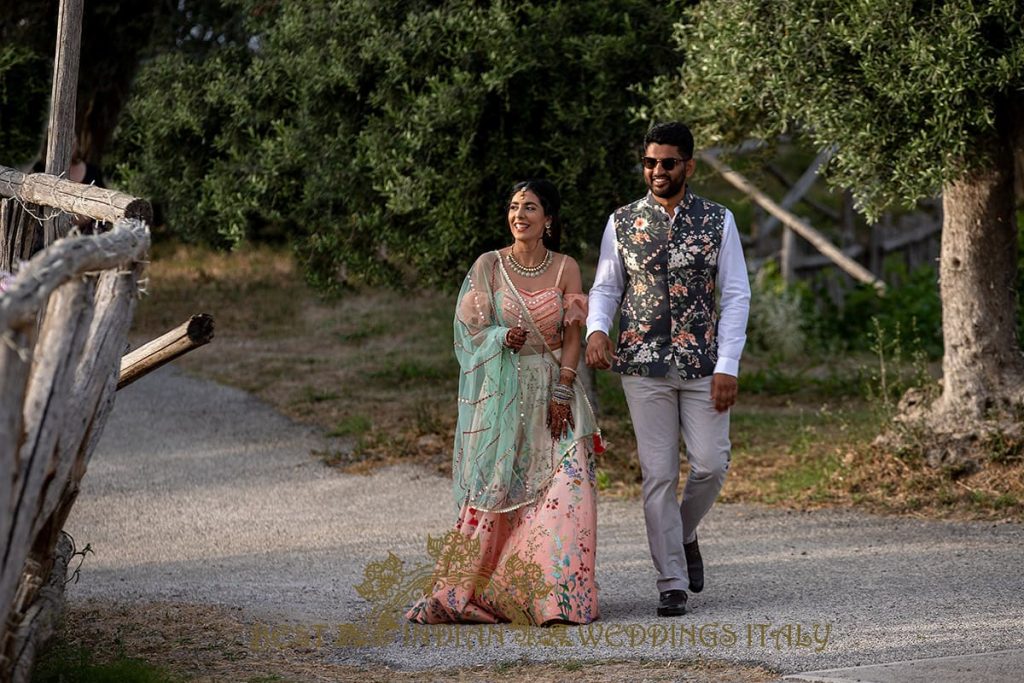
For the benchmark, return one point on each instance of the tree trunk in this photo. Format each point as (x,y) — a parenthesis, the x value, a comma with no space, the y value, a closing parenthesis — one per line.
(983,368)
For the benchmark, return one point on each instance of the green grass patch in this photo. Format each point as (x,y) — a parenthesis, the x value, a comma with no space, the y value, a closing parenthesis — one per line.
(352,425)
(410,370)
(810,478)
(66,664)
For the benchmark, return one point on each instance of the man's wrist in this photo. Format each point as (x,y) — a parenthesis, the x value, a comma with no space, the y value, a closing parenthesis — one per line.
(727,366)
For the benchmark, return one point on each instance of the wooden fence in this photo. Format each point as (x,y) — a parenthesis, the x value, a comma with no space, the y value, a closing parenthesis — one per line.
(914,236)
(63,330)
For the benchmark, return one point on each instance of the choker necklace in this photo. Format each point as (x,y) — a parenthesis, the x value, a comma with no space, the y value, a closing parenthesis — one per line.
(529,271)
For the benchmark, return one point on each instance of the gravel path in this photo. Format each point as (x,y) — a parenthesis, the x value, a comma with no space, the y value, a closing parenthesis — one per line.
(201,493)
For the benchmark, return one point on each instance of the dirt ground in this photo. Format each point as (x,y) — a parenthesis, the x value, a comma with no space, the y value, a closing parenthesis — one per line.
(210,644)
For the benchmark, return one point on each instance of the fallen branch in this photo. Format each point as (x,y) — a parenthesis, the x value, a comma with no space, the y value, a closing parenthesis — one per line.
(191,334)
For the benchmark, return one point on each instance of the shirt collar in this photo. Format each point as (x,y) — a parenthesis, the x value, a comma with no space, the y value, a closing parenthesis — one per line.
(683,205)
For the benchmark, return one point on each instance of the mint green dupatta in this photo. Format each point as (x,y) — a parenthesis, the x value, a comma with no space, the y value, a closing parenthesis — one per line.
(504,456)
(485,471)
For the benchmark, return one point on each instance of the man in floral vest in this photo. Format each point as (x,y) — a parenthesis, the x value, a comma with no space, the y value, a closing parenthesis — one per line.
(664,260)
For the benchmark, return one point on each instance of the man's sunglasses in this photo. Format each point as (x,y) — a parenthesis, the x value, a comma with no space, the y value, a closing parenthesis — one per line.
(667,164)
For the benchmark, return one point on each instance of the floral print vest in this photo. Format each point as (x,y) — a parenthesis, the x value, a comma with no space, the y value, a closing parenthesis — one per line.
(668,307)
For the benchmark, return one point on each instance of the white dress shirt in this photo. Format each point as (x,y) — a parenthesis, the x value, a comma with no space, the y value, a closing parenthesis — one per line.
(731,283)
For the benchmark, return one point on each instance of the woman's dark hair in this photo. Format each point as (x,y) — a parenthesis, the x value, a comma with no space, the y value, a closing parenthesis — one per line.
(550,201)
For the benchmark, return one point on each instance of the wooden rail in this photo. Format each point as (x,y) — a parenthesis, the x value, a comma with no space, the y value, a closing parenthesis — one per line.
(97,203)
(794,223)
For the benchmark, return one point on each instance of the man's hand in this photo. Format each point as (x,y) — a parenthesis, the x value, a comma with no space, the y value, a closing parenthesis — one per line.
(723,391)
(599,351)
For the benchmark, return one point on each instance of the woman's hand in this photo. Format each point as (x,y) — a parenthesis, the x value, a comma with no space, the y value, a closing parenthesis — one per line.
(515,338)
(560,420)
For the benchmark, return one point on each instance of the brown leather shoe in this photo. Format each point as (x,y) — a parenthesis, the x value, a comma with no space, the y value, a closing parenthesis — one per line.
(672,603)
(694,566)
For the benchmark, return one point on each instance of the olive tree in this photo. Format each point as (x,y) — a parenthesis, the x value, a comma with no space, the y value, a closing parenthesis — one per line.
(918,98)
(116,37)
(381,136)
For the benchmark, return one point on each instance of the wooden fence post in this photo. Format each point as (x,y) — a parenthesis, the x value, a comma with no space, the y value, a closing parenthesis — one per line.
(60,133)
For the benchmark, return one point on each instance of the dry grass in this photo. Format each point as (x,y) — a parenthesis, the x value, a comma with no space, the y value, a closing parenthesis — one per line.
(376,368)
(212,644)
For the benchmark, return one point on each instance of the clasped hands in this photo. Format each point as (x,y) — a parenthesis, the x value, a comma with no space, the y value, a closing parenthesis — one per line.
(724,388)
(515,338)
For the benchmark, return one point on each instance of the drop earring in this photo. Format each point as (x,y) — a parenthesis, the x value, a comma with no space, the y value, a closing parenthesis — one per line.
(547,229)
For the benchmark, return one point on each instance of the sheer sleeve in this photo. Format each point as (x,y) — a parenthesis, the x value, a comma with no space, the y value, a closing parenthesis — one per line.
(477,322)
(575,309)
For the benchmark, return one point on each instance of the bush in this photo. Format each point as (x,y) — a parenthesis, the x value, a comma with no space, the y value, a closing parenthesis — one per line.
(776,324)
(24,94)
(910,311)
(381,137)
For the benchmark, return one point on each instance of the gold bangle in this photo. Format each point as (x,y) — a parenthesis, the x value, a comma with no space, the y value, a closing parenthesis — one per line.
(565,367)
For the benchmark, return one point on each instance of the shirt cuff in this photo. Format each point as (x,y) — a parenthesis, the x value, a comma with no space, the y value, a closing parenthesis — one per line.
(728,366)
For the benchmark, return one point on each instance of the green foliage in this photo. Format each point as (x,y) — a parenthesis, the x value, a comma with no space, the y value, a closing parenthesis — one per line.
(64,663)
(116,37)
(381,136)
(910,92)
(910,309)
(352,425)
(776,323)
(900,365)
(24,93)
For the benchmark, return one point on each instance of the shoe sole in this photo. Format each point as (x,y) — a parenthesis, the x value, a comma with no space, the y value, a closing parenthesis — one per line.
(671,611)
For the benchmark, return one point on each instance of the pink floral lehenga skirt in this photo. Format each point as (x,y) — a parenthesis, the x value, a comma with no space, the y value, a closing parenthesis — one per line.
(532,565)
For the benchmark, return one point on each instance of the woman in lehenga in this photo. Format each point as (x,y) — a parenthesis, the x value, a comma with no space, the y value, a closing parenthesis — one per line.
(523,471)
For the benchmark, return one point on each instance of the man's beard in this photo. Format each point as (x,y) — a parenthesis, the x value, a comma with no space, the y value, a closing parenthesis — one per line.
(670,190)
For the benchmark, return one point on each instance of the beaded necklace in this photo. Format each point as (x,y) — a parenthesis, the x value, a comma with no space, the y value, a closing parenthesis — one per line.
(529,271)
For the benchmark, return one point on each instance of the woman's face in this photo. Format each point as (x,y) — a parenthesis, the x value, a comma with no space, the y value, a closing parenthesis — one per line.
(526,217)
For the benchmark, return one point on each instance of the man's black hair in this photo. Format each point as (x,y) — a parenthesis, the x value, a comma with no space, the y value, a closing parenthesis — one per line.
(671,133)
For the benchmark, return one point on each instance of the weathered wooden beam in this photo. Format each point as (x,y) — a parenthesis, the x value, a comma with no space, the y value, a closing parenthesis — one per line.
(65,390)
(40,620)
(63,97)
(64,89)
(797,190)
(787,256)
(817,261)
(191,334)
(97,203)
(923,231)
(65,260)
(800,227)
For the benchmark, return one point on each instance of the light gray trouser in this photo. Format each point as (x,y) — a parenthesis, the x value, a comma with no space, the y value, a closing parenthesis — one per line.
(660,408)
